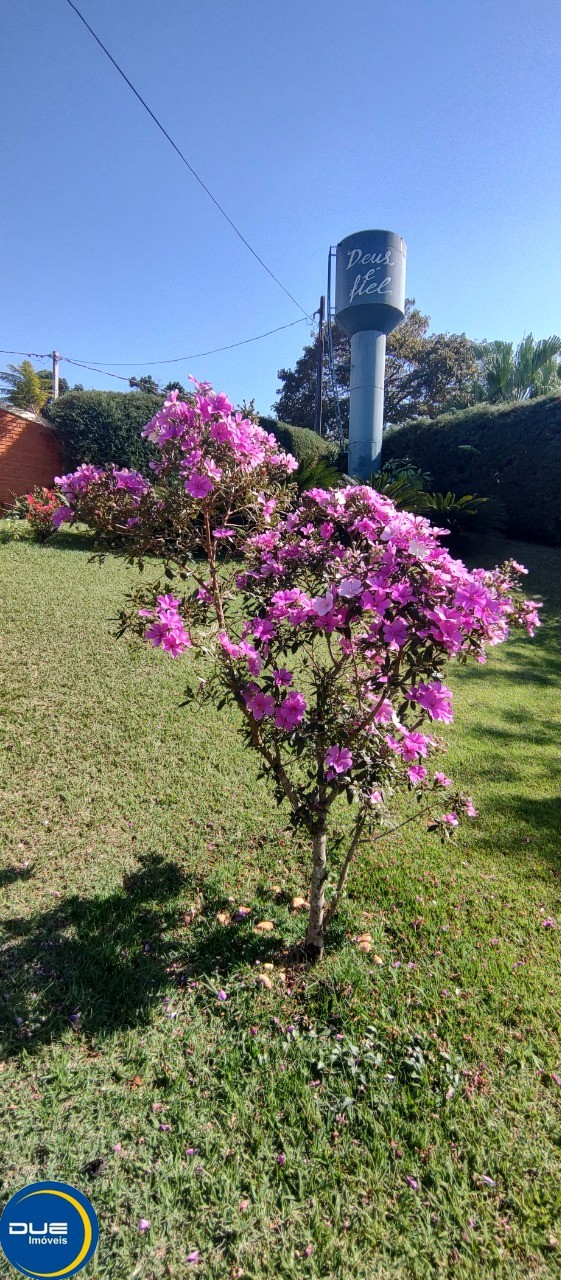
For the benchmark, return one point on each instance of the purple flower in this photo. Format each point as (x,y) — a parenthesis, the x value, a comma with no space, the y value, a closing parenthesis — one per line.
(193,1256)
(198,485)
(417,774)
(412,1182)
(281,1159)
(338,760)
(144,1224)
(450,819)
(290,711)
(60,515)
(261,704)
(222,995)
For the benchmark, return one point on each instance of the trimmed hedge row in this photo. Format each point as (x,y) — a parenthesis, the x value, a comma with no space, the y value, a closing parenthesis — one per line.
(104,427)
(305,445)
(509,452)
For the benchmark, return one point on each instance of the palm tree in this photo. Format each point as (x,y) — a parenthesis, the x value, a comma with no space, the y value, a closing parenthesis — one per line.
(505,374)
(23,388)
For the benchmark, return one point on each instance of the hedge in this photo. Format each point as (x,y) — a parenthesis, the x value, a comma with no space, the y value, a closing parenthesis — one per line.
(305,445)
(510,452)
(103,427)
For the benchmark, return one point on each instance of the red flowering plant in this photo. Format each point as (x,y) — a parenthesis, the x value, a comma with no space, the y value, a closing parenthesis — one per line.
(330,637)
(38,509)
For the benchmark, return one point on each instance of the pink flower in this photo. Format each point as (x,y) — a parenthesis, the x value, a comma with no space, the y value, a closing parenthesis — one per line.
(414,745)
(322,605)
(396,633)
(412,1182)
(434,698)
(375,797)
(60,515)
(144,1224)
(442,780)
(338,760)
(193,1256)
(282,676)
(349,588)
(212,470)
(290,712)
(470,808)
(261,704)
(417,774)
(222,995)
(450,819)
(198,485)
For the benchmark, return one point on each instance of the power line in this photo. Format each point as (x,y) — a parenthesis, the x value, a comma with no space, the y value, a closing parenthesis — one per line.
(186,162)
(195,355)
(35,355)
(130,364)
(79,364)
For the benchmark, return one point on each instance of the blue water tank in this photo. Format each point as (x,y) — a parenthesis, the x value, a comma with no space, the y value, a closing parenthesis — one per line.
(370,281)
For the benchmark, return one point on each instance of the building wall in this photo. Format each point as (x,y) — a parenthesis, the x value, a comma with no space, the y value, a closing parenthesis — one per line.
(29,455)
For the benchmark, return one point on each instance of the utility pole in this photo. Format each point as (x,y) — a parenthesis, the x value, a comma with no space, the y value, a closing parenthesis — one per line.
(319,369)
(56,359)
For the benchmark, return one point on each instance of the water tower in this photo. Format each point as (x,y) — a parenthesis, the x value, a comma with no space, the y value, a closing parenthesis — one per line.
(369,303)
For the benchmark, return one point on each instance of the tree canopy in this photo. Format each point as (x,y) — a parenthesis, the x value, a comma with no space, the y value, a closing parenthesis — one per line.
(425,374)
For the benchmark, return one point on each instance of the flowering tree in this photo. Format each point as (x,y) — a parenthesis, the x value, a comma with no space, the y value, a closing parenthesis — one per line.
(330,637)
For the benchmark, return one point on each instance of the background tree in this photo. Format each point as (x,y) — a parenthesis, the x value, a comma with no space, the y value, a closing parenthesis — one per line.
(23,388)
(506,375)
(46,379)
(425,374)
(146,384)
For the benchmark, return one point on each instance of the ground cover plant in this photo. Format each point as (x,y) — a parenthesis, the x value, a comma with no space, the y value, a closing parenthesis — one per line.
(392,1113)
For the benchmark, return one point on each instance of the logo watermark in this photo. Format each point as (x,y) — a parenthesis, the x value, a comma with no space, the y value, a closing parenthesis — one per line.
(48,1229)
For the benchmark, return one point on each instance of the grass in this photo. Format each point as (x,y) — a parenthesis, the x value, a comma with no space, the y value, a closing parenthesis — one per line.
(128,827)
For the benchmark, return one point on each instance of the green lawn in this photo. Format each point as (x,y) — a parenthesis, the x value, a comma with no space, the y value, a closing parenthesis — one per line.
(128,825)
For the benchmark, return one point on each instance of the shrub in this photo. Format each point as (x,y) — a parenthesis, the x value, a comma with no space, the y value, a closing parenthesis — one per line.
(104,427)
(331,641)
(38,509)
(509,453)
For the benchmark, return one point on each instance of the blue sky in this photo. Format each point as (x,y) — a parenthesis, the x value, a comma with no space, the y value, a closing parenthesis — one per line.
(439,120)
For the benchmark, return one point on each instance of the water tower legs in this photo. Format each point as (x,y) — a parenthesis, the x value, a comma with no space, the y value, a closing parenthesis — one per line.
(368,357)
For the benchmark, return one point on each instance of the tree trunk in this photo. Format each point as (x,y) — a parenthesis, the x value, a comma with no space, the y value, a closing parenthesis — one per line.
(314,932)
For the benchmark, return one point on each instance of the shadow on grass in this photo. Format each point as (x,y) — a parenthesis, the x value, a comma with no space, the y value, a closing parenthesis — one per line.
(99,964)
(9,875)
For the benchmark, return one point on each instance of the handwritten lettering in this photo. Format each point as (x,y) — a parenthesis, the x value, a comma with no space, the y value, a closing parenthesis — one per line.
(378,259)
(364,284)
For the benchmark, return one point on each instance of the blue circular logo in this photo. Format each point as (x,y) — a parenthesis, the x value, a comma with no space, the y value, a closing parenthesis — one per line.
(48,1229)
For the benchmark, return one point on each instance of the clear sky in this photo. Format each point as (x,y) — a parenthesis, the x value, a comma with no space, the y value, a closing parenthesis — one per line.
(308,119)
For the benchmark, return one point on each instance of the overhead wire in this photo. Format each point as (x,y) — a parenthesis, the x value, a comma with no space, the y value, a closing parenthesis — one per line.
(194,355)
(32,355)
(135,364)
(188,165)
